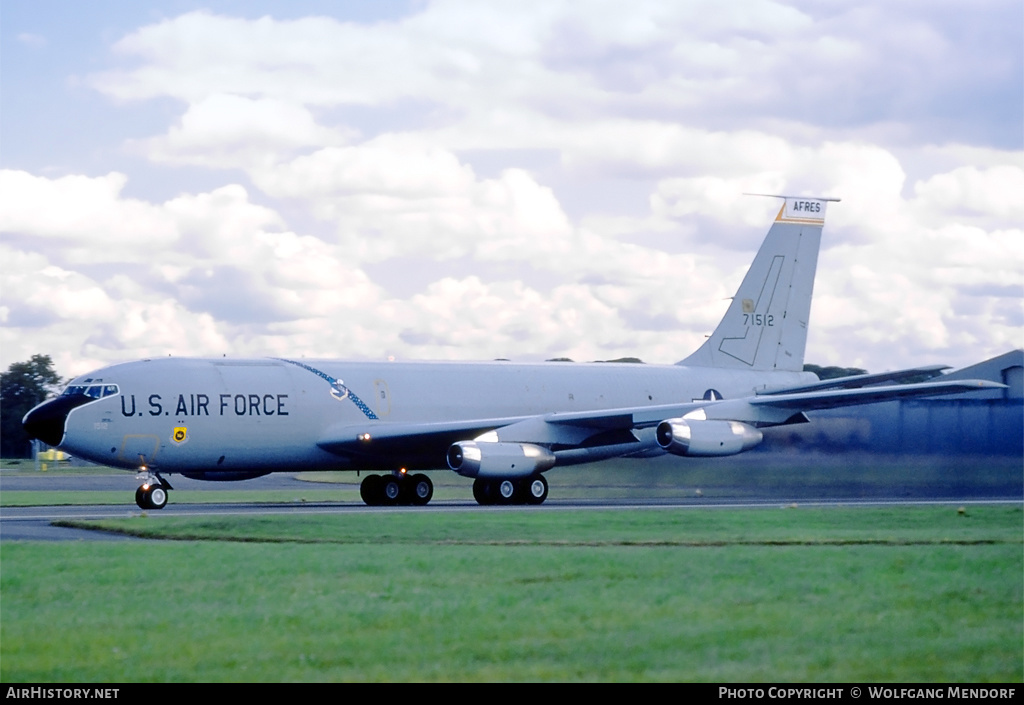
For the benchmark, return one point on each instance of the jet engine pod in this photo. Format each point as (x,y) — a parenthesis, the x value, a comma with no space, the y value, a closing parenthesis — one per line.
(504,460)
(706,438)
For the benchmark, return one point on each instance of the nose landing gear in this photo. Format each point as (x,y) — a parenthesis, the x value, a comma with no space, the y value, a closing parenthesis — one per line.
(152,494)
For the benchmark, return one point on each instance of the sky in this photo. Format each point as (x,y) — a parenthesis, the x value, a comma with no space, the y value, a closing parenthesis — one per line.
(523,180)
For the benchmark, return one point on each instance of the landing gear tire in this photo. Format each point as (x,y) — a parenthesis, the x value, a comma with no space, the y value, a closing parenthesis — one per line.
(151,497)
(483,492)
(421,489)
(371,489)
(508,491)
(532,490)
(536,489)
(391,490)
(152,493)
(157,497)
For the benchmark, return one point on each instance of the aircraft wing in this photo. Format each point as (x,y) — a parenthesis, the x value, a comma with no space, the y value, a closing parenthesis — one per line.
(589,434)
(788,407)
(832,398)
(373,437)
(861,380)
(759,408)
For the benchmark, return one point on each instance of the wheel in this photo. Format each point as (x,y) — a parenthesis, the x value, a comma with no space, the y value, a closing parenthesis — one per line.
(483,492)
(141,498)
(422,489)
(536,490)
(157,497)
(371,490)
(392,490)
(507,491)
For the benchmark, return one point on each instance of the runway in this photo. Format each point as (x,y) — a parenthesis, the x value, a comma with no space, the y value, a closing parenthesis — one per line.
(35,523)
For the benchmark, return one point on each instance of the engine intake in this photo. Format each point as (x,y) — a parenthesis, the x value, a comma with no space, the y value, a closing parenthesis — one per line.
(706,438)
(504,460)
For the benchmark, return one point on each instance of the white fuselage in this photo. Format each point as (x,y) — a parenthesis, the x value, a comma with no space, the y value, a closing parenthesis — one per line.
(260,415)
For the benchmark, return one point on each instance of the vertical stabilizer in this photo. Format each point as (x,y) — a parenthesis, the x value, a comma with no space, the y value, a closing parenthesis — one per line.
(765,327)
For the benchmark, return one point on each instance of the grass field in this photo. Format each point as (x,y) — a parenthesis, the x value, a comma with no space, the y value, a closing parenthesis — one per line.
(867,594)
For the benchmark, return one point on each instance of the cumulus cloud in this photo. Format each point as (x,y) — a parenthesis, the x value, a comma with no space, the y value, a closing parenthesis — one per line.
(392,197)
(356,149)
(85,215)
(754,64)
(968,190)
(224,131)
(86,322)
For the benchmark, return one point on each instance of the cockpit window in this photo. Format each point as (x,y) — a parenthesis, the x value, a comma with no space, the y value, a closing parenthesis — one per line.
(96,391)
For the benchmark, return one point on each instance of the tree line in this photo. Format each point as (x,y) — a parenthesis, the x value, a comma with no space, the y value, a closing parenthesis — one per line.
(22,386)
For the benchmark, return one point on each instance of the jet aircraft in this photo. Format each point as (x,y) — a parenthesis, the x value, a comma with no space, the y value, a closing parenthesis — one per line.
(503,424)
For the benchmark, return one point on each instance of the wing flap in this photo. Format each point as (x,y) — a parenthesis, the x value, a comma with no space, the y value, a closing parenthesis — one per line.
(859,380)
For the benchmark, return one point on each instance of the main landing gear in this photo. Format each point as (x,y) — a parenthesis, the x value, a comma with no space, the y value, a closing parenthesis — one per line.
(402,489)
(527,490)
(377,490)
(152,494)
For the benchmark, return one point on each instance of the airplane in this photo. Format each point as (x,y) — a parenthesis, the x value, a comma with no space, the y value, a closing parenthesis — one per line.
(501,423)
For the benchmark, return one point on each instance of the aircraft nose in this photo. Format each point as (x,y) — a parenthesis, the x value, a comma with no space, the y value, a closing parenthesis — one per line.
(46,421)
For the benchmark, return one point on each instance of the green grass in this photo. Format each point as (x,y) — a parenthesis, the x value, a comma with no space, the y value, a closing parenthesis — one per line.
(653,527)
(888,594)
